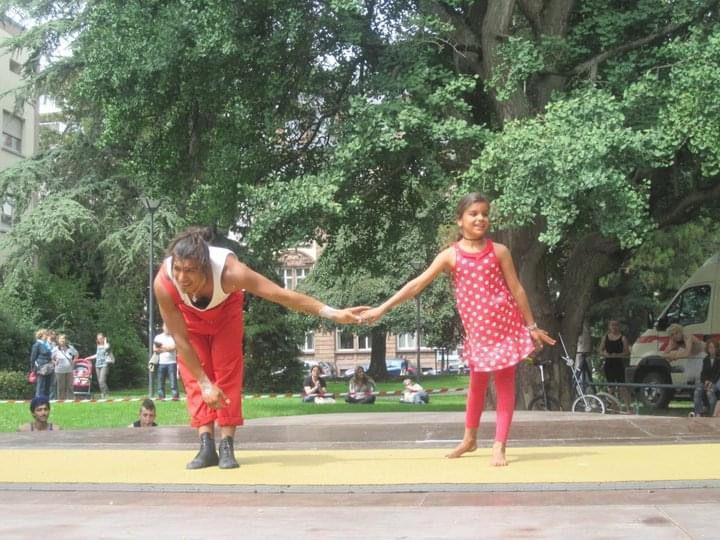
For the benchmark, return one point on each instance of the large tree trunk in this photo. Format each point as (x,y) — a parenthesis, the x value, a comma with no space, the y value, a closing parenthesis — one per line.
(378,368)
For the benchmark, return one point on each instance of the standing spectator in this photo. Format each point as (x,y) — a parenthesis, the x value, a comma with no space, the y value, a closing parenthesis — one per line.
(102,365)
(147,415)
(51,339)
(41,363)
(404,367)
(164,346)
(707,387)
(64,356)
(40,410)
(615,351)
(315,386)
(361,388)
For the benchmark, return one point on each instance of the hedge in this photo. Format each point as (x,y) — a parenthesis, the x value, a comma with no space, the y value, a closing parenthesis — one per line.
(14,385)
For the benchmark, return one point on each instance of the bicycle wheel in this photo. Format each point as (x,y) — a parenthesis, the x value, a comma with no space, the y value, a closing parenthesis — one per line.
(538,404)
(589,404)
(612,404)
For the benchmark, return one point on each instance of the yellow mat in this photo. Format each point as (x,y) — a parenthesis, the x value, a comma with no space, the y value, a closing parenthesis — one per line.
(572,464)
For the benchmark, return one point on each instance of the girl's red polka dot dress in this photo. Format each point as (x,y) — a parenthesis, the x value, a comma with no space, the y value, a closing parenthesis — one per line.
(495,333)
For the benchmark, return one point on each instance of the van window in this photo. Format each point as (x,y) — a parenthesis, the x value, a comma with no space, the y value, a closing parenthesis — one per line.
(690,307)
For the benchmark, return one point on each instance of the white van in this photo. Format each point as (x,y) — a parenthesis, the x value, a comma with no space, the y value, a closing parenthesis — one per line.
(696,306)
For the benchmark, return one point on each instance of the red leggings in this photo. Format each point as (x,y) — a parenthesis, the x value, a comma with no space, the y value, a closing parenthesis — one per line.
(505,390)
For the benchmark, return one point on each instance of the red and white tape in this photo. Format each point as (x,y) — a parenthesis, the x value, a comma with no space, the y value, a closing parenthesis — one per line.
(249,396)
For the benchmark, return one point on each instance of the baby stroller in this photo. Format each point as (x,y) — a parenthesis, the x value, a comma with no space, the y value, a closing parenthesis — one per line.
(82,378)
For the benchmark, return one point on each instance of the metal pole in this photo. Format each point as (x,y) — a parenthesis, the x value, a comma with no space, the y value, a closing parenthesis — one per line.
(417,336)
(150,305)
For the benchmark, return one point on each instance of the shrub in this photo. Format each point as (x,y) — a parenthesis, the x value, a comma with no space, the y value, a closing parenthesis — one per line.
(16,338)
(14,385)
(271,350)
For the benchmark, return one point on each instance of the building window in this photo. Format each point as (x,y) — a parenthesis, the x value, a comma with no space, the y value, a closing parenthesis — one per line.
(292,277)
(6,216)
(287,278)
(345,340)
(408,342)
(364,343)
(308,345)
(300,275)
(12,129)
(15,67)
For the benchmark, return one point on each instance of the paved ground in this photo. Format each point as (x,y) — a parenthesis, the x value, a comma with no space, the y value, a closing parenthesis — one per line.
(371,476)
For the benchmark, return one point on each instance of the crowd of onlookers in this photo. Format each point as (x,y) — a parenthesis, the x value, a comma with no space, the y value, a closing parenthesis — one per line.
(52,358)
(615,351)
(52,362)
(361,389)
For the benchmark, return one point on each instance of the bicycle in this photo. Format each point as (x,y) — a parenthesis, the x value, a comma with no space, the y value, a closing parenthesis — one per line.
(585,402)
(543,402)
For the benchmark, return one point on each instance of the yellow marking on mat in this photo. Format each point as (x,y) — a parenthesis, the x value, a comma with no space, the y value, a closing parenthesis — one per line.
(571,464)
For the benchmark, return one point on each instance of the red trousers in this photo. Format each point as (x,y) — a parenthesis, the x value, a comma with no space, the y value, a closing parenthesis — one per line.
(505,391)
(216,335)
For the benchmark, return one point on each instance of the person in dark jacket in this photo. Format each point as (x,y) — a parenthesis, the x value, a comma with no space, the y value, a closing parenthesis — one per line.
(706,391)
(41,363)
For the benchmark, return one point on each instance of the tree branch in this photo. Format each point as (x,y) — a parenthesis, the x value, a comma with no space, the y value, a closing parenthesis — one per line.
(680,213)
(592,64)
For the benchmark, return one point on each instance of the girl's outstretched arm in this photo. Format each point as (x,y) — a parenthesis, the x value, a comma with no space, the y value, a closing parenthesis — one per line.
(444,262)
(518,291)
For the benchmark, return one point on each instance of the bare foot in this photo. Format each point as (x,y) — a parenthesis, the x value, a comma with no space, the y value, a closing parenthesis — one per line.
(498,455)
(464,447)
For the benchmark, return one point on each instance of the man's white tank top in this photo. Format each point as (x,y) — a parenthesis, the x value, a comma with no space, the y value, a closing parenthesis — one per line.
(218,256)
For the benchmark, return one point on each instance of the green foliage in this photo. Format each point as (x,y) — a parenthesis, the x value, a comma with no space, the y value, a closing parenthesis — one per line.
(14,385)
(16,338)
(571,167)
(519,59)
(271,349)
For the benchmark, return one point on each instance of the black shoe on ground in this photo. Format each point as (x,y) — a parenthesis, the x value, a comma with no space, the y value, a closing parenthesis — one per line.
(207,456)
(227,454)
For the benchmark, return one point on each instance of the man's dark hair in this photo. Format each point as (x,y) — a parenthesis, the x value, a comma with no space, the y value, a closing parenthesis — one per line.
(148,404)
(37,401)
(192,244)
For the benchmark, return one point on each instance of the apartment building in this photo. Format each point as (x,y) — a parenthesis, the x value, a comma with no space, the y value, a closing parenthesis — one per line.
(19,137)
(342,347)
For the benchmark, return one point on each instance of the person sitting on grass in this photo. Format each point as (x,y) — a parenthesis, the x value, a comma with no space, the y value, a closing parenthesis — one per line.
(40,410)
(414,393)
(361,388)
(706,387)
(147,415)
(315,387)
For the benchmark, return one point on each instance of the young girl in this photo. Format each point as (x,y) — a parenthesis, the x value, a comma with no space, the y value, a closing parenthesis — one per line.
(499,325)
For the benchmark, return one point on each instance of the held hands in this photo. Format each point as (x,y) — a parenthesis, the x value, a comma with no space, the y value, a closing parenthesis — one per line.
(343,316)
(371,316)
(212,395)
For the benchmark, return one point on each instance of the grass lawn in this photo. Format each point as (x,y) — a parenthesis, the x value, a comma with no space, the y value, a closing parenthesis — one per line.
(174,413)
(121,414)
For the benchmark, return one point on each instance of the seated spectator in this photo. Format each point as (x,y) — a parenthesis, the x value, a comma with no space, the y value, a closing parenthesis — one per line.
(40,410)
(708,386)
(414,393)
(361,388)
(147,415)
(680,345)
(315,387)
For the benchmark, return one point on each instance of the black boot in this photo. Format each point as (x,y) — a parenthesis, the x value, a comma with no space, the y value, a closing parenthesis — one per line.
(227,454)
(207,456)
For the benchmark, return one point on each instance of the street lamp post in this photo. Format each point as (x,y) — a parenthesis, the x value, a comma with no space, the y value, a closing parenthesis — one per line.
(417,336)
(151,206)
